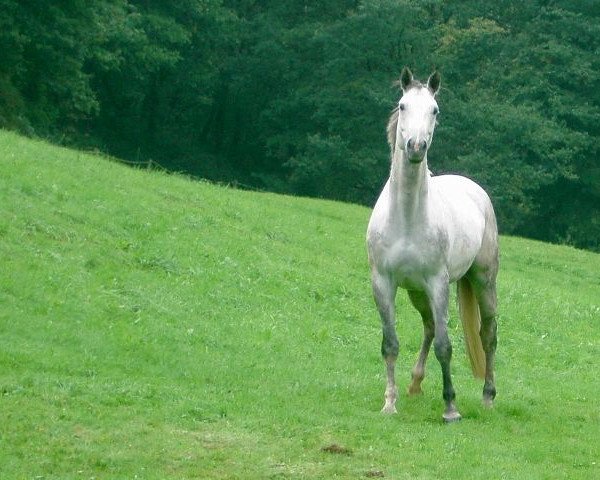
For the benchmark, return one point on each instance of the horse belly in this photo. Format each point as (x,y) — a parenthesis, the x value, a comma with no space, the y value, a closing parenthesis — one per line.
(459,268)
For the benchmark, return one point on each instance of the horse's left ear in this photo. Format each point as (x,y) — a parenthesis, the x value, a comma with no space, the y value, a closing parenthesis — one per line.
(433,82)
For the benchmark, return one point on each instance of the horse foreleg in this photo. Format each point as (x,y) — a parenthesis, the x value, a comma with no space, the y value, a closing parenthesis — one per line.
(384,292)
(438,297)
(391,392)
(421,303)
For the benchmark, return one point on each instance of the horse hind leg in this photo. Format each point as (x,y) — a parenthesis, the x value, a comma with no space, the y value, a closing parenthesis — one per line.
(487,307)
(421,303)
(484,285)
(483,278)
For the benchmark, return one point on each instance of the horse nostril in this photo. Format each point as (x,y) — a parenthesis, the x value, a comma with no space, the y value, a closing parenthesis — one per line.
(416,146)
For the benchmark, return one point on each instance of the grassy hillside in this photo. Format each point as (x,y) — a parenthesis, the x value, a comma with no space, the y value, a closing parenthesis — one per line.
(155,327)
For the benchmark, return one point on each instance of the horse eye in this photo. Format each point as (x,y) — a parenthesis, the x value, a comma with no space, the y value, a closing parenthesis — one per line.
(401,107)
(436,110)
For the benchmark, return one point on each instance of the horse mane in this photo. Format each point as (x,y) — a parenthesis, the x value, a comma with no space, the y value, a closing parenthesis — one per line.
(392,127)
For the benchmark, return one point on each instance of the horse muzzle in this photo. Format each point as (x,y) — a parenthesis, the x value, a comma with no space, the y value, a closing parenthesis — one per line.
(416,150)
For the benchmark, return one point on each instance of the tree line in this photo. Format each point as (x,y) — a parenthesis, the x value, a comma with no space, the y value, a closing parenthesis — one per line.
(293,95)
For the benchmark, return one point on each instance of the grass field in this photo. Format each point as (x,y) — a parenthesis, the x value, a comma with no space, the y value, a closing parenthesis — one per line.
(154,327)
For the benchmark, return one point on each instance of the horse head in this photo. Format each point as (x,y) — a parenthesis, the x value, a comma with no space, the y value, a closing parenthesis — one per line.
(413,121)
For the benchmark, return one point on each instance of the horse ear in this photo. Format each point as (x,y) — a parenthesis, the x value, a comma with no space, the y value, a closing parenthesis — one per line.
(406,78)
(434,82)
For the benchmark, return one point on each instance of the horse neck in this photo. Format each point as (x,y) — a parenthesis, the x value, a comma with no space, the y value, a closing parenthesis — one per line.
(409,187)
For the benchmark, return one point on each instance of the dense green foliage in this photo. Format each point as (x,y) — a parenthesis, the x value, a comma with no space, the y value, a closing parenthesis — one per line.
(159,328)
(294,96)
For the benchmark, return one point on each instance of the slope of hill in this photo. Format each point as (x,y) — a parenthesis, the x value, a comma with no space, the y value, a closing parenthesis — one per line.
(152,326)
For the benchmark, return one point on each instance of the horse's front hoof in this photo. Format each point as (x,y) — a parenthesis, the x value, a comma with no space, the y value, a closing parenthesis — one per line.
(451,416)
(389,409)
(487,403)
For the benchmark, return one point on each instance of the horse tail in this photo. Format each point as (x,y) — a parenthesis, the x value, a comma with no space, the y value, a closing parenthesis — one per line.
(471,322)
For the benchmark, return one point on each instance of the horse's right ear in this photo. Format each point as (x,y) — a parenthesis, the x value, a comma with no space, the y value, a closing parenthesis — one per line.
(406,78)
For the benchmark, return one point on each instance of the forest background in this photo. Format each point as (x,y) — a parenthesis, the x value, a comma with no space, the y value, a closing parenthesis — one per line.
(293,96)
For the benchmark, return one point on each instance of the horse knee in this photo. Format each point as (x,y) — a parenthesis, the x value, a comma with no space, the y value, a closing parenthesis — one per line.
(390,347)
(442,348)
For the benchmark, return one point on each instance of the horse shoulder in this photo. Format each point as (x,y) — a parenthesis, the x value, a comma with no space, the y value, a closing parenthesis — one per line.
(377,222)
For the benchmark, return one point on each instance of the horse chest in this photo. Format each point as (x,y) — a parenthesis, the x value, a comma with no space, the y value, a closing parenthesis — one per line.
(410,260)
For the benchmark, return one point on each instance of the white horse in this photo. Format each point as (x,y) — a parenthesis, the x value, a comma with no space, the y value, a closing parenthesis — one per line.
(426,232)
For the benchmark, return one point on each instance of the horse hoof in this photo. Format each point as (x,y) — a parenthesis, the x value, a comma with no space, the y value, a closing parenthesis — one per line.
(415,390)
(451,417)
(488,403)
(389,409)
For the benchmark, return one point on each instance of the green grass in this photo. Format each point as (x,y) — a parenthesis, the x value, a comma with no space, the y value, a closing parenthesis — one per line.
(155,327)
